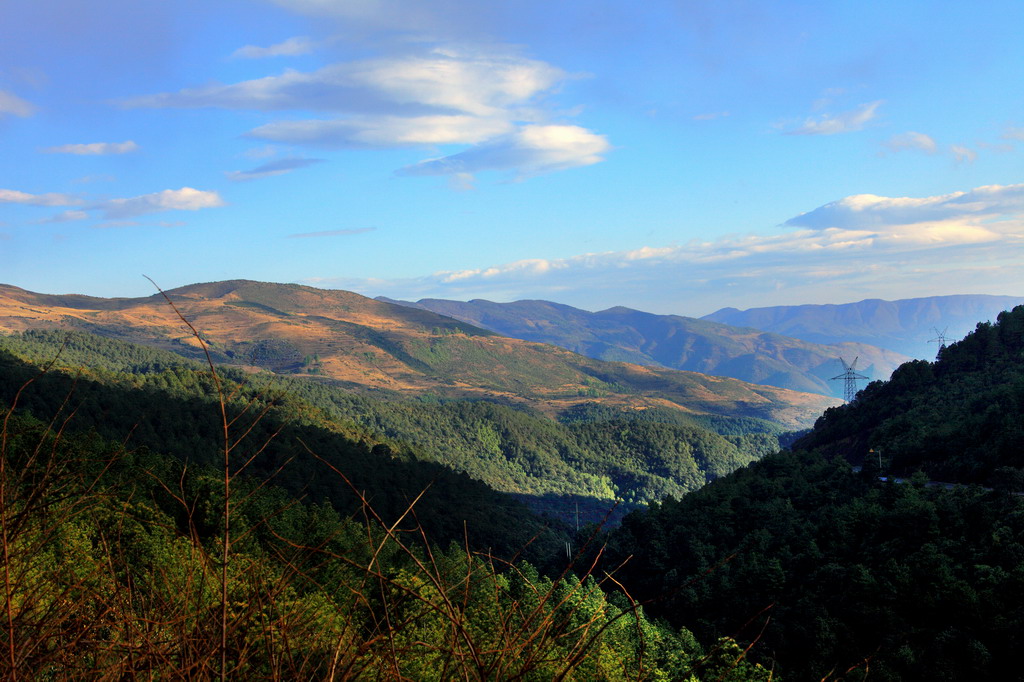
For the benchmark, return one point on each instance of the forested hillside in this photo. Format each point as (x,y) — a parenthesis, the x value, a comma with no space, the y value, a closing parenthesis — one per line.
(170,407)
(160,520)
(958,419)
(835,573)
(317,552)
(674,342)
(592,457)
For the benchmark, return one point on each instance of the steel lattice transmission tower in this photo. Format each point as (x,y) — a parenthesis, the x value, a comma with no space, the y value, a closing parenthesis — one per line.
(940,338)
(849,377)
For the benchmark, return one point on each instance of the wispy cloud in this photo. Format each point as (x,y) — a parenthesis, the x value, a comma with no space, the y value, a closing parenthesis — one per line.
(531,150)
(490,100)
(116,224)
(292,47)
(442,81)
(851,245)
(962,154)
(379,132)
(1013,133)
(184,199)
(271,169)
(94,148)
(14,105)
(332,233)
(834,124)
(911,141)
(983,213)
(89,179)
(66,216)
(13,196)
(711,116)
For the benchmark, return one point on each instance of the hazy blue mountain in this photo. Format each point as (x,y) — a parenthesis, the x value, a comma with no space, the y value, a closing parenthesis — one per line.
(905,326)
(673,342)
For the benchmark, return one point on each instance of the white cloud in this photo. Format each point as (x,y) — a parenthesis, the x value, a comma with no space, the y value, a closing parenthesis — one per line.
(845,122)
(531,150)
(979,214)
(14,105)
(440,82)
(184,199)
(67,216)
(967,241)
(963,154)
(384,131)
(491,100)
(292,47)
(95,148)
(271,169)
(13,196)
(911,141)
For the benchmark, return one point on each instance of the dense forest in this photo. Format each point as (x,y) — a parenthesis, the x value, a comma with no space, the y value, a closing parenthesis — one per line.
(832,570)
(593,455)
(957,419)
(162,520)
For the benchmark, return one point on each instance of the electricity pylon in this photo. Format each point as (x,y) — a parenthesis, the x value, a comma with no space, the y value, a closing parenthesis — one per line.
(849,377)
(940,338)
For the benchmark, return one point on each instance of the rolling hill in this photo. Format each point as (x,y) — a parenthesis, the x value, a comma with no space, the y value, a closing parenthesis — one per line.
(373,346)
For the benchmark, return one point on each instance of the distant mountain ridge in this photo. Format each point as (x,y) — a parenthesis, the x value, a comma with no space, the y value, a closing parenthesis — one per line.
(673,342)
(374,346)
(905,325)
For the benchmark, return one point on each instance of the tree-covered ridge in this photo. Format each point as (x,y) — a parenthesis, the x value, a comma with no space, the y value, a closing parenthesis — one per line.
(174,411)
(835,573)
(958,419)
(595,454)
(122,561)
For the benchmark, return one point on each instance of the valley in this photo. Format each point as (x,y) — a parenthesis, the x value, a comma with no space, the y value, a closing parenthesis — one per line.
(339,434)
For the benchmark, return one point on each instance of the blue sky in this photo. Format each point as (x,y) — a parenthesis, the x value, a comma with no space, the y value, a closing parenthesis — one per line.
(671,156)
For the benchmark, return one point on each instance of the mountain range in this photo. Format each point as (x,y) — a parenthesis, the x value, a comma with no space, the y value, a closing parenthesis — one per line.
(909,326)
(675,342)
(339,451)
(374,346)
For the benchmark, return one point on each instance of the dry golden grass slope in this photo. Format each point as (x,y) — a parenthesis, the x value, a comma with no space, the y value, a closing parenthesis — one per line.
(373,345)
